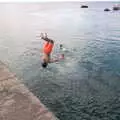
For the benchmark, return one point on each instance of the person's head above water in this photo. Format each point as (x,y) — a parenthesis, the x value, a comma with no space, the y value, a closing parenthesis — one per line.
(44,64)
(61,46)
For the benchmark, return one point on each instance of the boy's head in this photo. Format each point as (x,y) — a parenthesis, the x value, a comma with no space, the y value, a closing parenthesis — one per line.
(44,64)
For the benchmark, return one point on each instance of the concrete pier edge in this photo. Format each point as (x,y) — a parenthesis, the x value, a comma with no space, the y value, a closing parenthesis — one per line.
(17,102)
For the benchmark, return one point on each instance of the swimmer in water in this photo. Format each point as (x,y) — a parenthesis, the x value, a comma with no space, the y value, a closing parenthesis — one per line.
(47,49)
(62,48)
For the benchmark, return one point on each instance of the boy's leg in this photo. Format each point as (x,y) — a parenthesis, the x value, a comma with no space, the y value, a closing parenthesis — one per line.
(46,38)
(41,35)
(45,35)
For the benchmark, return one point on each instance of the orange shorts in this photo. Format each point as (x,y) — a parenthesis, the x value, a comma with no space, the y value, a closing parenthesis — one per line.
(48,46)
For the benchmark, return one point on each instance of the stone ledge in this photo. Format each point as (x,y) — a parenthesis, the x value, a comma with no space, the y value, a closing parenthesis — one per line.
(17,102)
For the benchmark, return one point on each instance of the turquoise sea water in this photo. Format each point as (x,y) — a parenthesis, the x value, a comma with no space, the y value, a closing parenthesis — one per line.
(86,85)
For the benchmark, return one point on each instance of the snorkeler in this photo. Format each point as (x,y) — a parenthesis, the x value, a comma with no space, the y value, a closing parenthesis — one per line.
(47,49)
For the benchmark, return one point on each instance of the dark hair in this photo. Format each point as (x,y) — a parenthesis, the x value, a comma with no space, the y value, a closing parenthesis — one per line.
(44,64)
(61,45)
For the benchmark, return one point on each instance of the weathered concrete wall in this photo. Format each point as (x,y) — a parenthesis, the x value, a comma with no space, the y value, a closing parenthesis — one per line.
(17,102)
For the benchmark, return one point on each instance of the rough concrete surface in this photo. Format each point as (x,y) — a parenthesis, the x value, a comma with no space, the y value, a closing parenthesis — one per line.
(17,102)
